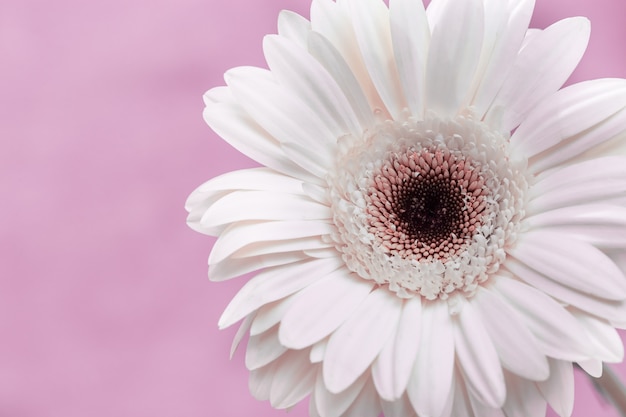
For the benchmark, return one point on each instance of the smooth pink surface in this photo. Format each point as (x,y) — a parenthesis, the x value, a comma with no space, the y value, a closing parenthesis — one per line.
(105,309)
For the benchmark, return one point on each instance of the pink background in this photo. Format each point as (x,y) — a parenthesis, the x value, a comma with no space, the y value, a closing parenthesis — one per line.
(105,309)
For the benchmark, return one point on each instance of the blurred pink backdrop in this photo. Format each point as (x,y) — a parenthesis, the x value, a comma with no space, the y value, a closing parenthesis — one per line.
(105,309)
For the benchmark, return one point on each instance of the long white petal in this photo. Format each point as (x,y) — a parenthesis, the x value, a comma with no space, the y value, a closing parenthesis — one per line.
(572,263)
(335,64)
(399,408)
(241,234)
(431,378)
(333,21)
(523,398)
(229,120)
(370,19)
(260,381)
(297,70)
(478,358)
(322,307)
(392,369)
(601,225)
(606,340)
(263,349)
(366,404)
(558,390)
(295,379)
(270,314)
(593,367)
(461,405)
(244,179)
(235,267)
(590,181)
(613,311)
(318,351)
(558,333)
(335,405)
(280,112)
(504,36)
(263,205)
(603,139)
(453,56)
(273,284)
(540,69)
(242,331)
(574,110)
(357,342)
(410,37)
(294,27)
(515,344)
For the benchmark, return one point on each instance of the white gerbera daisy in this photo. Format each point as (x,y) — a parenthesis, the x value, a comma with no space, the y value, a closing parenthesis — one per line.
(435,222)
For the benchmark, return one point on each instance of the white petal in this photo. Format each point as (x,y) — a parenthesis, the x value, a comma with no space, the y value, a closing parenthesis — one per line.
(482,410)
(336,66)
(523,398)
(333,21)
(541,68)
(505,36)
(334,405)
(606,340)
(399,408)
(262,205)
(263,349)
(558,333)
(241,332)
(614,311)
(515,344)
(270,314)
(234,267)
(431,378)
(203,197)
(392,369)
(294,27)
(604,139)
(410,36)
(453,56)
(316,193)
(322,307)
(280,112)
(239,235)
(260,381)
(273,284)
(366,404)
(300,72)
(236,126)
(592,366)
(357,342)
(572,263)
(461,405)
(566,114)
(558,390)
(318,351)
(478,357)
(601,225)
(370,19)
(268,248)
(295,379)
(589,181)
(243,179)
(315,163)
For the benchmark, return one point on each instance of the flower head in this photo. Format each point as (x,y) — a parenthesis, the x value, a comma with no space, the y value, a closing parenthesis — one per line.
(436,221)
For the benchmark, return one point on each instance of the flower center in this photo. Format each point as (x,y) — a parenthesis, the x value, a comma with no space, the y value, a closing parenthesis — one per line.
(426,207)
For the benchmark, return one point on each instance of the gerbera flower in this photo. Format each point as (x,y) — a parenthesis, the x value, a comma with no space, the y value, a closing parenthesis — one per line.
(435,221)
